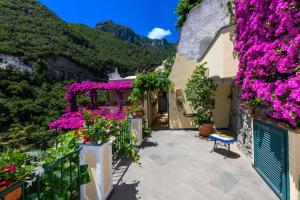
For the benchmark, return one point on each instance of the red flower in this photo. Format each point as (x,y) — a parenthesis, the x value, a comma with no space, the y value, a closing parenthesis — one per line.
(85,139)
(10,168)
(5,183)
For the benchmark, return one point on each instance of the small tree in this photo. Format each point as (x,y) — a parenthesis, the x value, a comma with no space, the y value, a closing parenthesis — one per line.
(200,93)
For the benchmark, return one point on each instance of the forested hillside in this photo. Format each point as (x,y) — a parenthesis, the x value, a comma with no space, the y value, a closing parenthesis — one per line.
(28,102)
(30,30)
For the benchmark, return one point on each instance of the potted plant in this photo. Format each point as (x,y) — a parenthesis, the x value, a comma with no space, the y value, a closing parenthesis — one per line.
(14,167)
(97,129)
(97,137)
(136,112)
(200,93)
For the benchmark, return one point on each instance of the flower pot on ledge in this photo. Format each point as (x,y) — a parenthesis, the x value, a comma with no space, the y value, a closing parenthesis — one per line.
(11,195)
(98,157)
(138,115)
(206,129)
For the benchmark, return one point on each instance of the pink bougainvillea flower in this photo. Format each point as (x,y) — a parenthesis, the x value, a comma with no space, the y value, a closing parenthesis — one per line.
(267,40)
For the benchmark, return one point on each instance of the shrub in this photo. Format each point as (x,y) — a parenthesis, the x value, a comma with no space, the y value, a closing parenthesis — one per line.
(200,93)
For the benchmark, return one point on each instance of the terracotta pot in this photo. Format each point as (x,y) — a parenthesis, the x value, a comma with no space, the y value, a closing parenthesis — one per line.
(138,114)
(12,195)
(206,129)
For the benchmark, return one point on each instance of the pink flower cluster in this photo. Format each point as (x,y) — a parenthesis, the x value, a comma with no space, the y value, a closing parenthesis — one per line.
(88,86)
(268,46)
(75,120)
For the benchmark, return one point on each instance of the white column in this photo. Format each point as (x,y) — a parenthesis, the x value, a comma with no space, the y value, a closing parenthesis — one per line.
(99,161)
(136,131)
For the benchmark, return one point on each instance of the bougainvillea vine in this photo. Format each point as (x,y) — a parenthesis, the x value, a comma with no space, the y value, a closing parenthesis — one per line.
(268,46)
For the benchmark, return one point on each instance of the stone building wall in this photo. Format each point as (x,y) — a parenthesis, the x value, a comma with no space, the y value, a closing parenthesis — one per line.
(241,123)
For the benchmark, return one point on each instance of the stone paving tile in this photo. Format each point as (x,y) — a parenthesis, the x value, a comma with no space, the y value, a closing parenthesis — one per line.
(177,165)
(225,182)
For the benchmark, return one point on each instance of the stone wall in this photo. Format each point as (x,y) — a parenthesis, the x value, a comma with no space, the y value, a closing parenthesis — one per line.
(241,123)
(201,26)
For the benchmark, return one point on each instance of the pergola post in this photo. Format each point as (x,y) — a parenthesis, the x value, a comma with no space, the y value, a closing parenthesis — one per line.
(120,103)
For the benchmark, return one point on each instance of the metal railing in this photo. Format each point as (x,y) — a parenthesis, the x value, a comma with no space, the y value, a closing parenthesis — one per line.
(60,180)
(122,137)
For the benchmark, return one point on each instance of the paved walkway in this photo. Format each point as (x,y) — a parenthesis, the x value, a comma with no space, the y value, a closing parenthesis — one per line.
(177,165)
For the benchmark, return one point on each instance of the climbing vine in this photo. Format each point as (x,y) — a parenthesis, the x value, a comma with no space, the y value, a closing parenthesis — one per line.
(148,82)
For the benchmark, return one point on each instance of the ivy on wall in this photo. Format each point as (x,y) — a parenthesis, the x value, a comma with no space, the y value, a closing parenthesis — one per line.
(183,9)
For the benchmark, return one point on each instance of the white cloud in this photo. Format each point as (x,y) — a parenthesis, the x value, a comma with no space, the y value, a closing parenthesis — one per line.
(158,33)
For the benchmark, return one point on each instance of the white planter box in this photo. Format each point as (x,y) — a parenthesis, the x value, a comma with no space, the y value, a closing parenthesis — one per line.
(136,131)
(99,161)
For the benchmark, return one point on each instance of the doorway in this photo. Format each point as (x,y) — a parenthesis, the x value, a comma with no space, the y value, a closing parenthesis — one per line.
(159,110)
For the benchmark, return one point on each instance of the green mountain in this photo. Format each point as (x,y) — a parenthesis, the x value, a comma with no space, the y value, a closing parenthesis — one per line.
(127,34)
(31,31)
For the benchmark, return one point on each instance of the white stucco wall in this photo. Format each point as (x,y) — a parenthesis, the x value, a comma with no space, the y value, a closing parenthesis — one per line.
(294,164)
(220,59)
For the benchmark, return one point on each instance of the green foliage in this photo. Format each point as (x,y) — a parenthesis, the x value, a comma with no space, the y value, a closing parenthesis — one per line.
(63,162)
(169,62)
(30,30)
(126,34)
(230,9)
(19,164)
(147,131)
(148,82)
(135,111)
(28,102)
(200,93)
(98,129)
(66,143)
(183,9)
(254,103)
(123,144)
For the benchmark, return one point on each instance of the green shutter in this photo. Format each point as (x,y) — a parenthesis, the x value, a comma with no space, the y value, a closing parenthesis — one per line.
(270,156)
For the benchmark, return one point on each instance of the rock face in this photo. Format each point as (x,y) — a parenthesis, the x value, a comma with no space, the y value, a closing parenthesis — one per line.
(127,34)
(64,69)
(202,24)
(6,60)
(241,123)
(59,67)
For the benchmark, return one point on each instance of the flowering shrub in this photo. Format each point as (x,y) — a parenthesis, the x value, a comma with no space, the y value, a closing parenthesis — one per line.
(268,46)
(75,120)
(97,129)
(14,166)
(88,86)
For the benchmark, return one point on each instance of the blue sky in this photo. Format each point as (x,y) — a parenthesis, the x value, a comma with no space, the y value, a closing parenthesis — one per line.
(140,15)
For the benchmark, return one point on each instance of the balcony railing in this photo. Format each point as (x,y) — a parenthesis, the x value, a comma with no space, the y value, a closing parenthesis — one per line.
(60,180)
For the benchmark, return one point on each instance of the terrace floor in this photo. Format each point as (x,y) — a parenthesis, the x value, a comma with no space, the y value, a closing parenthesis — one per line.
(177,165)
